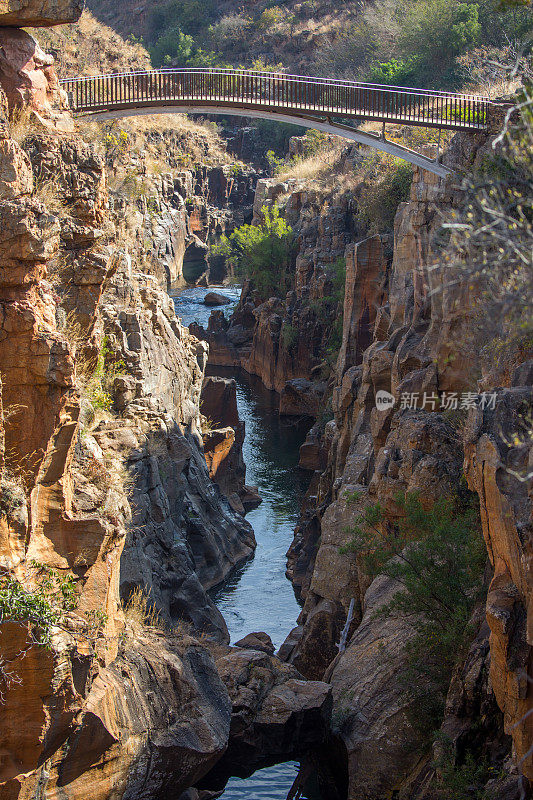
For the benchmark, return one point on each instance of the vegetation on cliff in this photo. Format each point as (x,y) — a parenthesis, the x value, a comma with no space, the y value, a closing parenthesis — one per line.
(423,43)
(436,557)
(262,253)
(490,246)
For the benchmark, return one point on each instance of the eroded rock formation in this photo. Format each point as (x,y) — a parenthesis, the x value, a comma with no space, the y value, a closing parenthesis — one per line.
(400,326)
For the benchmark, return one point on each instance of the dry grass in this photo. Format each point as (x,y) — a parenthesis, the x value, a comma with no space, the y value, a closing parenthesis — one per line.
(22,124)
(51,194)
(90,48)
(165,143)
(139,610)
(317,167)
(59,270)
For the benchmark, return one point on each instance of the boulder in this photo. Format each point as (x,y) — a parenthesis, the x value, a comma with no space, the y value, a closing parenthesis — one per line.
(257,641)
(216,299)
(373,712)
(158,718)
(28,78)
(219,401)
(16,177)
(250,497)
(301,397)
(39,13)
(277,716)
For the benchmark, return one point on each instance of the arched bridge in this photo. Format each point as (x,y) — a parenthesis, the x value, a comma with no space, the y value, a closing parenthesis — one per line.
(317,103)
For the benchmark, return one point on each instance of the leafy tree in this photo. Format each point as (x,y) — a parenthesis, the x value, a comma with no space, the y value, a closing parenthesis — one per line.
(181,50)
(394,72)
(434,33)
(188,15)
(262,253)
(437,559)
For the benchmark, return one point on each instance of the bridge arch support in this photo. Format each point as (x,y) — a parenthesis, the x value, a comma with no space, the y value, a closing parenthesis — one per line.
(324,125)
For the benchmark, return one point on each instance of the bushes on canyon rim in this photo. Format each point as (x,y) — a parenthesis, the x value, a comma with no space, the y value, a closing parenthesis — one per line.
(263,253)
(437,558)
(489,250)
(383,191)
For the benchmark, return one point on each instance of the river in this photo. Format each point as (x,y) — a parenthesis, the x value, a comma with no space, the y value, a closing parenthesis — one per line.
(258,596)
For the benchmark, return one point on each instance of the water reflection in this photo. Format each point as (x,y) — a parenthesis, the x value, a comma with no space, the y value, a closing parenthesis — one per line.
(257,596)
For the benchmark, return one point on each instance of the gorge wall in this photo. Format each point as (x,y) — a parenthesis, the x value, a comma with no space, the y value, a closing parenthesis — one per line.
(111,527)
(120,509)
(404,332)
(401,323)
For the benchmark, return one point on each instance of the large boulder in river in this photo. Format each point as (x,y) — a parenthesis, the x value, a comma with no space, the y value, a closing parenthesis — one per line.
(300,397)
(39,13)
(277,715)
(216,299)
(257,641)
(219,401)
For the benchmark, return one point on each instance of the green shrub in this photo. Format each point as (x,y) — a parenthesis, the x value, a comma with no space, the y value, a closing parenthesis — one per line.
(99,388)
(289,336)
(188,15)
(460,781)
(380,196)
(180,48)
(434,33)
(270,18)
(263,253)
(395,72)
(437,558)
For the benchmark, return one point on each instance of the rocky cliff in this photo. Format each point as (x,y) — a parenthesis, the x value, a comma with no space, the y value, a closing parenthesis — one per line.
(405,334)
(111,529)
(400,325)
(289,341)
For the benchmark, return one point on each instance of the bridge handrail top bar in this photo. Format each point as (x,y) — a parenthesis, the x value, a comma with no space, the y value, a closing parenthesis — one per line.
(279,76)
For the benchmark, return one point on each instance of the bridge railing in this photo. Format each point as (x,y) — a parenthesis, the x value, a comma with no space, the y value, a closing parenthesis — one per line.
(250,89)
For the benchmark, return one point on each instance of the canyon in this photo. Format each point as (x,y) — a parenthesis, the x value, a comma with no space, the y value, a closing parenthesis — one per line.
(123,492)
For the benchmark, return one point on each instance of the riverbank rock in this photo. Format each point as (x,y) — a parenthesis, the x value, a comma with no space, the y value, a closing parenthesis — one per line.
(277,716)
(257,641)
(223,439)
(216,299)
(219,401)
(153,723)
(300,397)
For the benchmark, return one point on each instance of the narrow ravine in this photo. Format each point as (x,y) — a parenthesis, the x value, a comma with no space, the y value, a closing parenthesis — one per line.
(258,596)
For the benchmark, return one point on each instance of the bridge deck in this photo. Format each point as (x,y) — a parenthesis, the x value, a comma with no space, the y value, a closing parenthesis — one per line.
(273,93)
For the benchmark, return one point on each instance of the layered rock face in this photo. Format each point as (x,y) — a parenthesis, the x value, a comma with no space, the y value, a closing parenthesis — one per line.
(400,327)
(284,340)
(107,502)
(184,536)
(498,455)
(179,211)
